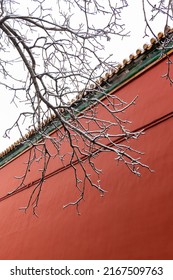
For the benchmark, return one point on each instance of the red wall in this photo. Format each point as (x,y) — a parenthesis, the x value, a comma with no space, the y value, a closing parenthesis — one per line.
(134,220)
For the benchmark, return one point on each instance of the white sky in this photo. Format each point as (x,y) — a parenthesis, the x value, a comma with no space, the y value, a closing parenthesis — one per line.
(133,18)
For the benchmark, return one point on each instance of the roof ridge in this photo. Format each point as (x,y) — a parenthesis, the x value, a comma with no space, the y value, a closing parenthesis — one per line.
(104,78)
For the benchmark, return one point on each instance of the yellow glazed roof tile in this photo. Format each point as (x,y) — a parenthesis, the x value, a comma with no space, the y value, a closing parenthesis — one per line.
(114,71)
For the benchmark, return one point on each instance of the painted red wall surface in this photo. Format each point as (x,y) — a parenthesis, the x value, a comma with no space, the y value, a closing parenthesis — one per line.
(134,219)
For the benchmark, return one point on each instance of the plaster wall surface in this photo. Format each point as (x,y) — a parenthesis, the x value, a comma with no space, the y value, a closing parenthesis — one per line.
(134,219)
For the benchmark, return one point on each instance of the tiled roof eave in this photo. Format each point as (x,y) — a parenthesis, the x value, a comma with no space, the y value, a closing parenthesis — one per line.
(118,76)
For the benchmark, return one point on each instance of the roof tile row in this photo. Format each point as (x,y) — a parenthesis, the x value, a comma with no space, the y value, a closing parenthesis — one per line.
(98,82)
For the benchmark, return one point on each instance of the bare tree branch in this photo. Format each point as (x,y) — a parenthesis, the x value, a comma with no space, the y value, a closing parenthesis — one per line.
(59,53)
